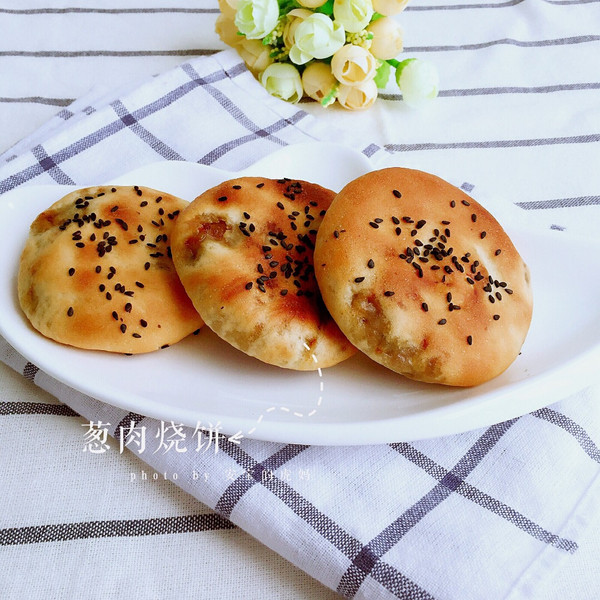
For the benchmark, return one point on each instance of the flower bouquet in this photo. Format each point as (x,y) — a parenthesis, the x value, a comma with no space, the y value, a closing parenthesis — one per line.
(327,50)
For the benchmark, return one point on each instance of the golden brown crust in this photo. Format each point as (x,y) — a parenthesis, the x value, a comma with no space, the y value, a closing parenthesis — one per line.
(422,278)
(96,273)
(243,251)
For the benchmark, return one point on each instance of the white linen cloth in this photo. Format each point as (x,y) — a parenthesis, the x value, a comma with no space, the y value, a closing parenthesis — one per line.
(493,513)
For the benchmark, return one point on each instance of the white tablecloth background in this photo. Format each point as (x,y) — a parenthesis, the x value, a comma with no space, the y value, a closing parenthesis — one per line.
(518,116)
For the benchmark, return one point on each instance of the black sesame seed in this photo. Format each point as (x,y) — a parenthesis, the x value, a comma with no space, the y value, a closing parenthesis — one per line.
(388,293)
(70,311)
(71,271)
(248,285)
(496,317)
(474,217)
(283,292)
(424,306)
(374,225)
(491,299)
(497,252)
(442,322)
(469,340)
(466,203)
(237,187)
(398,231)
(139,284)
(222,198)
(420,223)
(136,335)
(378,220)
(359,279)
(259,185)
(280,205)
(123,328)
(143,323)
(397,193)
(128,307)
(482,234)
(146,266)
(371,263)
(115,316)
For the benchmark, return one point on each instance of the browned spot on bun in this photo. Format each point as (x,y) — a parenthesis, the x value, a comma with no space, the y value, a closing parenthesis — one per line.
(96,271)
(422,278)
(244,252)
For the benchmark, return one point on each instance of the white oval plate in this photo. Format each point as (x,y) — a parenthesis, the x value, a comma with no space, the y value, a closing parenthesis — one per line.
(204,380)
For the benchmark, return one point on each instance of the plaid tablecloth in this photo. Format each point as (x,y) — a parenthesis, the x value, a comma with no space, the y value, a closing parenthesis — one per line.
(509,511)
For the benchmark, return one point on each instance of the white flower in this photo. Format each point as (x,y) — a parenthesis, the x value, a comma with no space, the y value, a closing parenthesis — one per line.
(387,8)
(318,81)
(255,54)
(354,15)
(387,38)
(256,18)
(294,18)
(283,81)
(353,65)
(418,81)
(316,37)
(357,97)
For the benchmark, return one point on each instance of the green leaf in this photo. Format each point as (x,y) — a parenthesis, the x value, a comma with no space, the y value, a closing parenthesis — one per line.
(383,74)
(326,9)
(286,5)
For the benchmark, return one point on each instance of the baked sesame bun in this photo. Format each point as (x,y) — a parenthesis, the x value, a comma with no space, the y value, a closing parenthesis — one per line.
(244,253)
(96,271)
(422,278)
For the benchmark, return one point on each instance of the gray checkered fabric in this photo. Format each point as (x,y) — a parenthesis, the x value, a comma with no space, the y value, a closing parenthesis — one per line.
(481,514)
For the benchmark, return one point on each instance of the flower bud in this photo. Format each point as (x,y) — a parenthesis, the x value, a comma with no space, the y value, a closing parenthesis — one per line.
(353,65)
(418,81)
(225,28)
(311,3)
(354,15)
(294,18)
(318,81)
(316,37)
(387,8)
(228,8)
(256,18)
(357,97)
(283,81)
(387,38)
(255,54)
